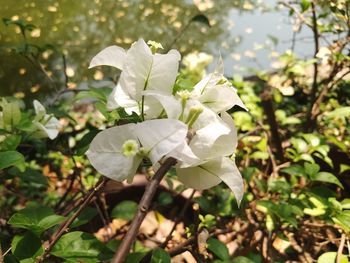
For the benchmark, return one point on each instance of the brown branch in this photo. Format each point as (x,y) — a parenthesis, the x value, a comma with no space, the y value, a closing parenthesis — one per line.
(268,107)
(142,210)
(296,11)
(315,110)
(311,123)
(65,225)
(1,257)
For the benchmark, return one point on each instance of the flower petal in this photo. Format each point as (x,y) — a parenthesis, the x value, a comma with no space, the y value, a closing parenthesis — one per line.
(105,153)
(212,173)
(52,127)
(221,98)
(205,139)
(231,176)
(39,110)
(184,155)
(216,92)
(152,108)
(198,177)
(164,71)
(231,138)
(216,139)
(161,136)
(171,105)
(111,56)
(119,98)
(136,70)
(145,71)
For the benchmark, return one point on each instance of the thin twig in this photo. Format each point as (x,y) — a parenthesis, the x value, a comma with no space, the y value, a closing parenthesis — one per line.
(7,251)
(192,240)
(315,110)
(143,207)
(269,110)
(65,225)
(178,219)
(310,123)
(147,257)
(341,248)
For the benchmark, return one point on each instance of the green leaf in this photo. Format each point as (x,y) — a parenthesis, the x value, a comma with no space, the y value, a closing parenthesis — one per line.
(243,120)
(11,113)
(11,142)
(164,198)
(339,112)
(79,246)
(296,170)
(345,204)
(30,179)
(83,144)
(305,4)
(10,158)
(125,210)
(299,144)
(242,259)
(259,155)
(135,257)
(330,257)
(36,219)
(327,178)
(343,219)
(99,94)
(218,248)
(27,246)
(85,216)
(160,256)
(311,169)
(312,139)
(279,185)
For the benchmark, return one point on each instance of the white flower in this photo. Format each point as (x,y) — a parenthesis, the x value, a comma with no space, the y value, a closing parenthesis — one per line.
(47,124)
(216,92)
(207,124)
(202,164)
(141,70)
(145,87)
(212,166)
(117,152)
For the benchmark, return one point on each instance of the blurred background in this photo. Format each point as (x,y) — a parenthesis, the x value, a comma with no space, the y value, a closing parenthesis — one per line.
(39,40)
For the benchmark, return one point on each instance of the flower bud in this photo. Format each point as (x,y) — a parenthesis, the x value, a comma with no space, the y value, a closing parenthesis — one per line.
(154,46)
(130,148)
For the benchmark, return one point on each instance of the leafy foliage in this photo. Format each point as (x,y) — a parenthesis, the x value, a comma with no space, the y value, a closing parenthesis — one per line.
(294,160)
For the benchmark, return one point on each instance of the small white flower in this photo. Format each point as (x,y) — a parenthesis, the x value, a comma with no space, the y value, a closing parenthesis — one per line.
(47,124)
(216,92)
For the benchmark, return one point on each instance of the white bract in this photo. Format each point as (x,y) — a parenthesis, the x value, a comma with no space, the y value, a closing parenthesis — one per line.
(146,88)
(47,124)
(141,70)
(117,152)
(213,167)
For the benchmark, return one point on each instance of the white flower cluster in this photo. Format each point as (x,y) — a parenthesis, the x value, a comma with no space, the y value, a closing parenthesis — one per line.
(47,125)
(146,88)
